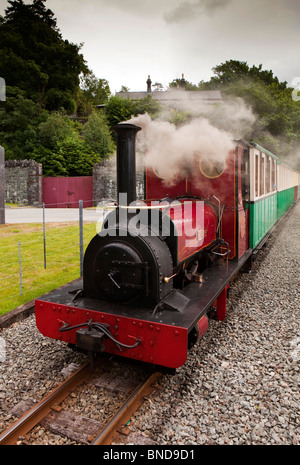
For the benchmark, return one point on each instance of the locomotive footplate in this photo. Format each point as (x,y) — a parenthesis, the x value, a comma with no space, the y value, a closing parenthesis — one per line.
(135,332)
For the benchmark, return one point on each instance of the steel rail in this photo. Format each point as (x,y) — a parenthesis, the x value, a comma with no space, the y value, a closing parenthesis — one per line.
(31,418)
(128,408)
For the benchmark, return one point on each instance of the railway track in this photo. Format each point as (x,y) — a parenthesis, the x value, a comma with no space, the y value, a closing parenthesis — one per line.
(105,435)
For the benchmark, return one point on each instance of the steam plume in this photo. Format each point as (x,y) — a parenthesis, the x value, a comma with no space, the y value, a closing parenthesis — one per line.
(171,151)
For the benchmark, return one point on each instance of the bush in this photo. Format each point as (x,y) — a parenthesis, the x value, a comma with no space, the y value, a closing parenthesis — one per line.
(68,158)
(56,129)
(97,136)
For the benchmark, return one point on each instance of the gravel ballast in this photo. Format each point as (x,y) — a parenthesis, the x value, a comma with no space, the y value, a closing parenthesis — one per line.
(240,384)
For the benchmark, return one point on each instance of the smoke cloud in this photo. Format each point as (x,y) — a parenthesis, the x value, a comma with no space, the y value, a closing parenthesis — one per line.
(208,134)
(172,151)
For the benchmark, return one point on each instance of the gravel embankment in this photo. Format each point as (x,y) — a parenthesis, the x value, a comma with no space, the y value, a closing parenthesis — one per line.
(240,384)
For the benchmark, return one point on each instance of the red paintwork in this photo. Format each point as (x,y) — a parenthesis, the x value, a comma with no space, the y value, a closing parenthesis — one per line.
(161,344)
(221,304)
(66,192)
(196,224)
(202,325)
(223,187)
(241,212)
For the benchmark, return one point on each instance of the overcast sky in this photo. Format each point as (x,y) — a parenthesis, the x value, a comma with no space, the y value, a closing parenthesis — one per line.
(125,40)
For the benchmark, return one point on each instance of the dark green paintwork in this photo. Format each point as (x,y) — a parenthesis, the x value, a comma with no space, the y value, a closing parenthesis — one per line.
(265,212)
(285,200)
(263,215)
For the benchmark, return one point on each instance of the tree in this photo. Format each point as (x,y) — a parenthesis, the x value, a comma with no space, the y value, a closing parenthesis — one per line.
(19,120)
(94,92)
(183,84)
(56,129)
(118,109)
(35,58)
(234,70)
(66,148)
(68,157)
(277,114)
(97,136)
(146,105)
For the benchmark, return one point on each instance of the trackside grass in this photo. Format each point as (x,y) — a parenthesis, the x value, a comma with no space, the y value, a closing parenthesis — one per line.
(62,259)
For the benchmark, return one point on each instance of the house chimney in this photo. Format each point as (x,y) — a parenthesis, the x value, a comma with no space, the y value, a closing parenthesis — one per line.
(182,82)
(149,82)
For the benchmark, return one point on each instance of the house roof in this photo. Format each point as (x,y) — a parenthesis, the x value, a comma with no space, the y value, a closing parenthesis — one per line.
(177,95)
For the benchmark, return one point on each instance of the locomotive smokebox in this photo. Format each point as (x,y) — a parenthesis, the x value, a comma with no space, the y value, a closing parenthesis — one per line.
(126,164)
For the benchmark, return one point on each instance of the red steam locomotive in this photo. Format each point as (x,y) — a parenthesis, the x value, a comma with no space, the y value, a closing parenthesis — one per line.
(159,270)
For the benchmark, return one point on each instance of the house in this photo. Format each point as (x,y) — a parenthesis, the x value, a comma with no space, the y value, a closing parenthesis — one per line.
(176,97)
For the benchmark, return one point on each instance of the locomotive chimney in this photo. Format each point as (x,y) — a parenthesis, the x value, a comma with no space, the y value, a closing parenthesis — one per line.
(126,171)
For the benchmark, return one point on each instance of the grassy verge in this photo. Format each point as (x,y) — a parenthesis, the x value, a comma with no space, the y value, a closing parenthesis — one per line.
(62,259)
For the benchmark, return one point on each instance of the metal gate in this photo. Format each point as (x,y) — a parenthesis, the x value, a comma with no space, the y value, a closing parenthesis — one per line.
(66,192)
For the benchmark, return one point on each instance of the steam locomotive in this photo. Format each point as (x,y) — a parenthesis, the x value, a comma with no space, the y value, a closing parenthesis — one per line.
(160,269)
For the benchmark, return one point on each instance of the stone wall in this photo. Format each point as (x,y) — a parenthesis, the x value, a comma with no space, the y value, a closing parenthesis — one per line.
(2,186)
(24,182)
(105,177)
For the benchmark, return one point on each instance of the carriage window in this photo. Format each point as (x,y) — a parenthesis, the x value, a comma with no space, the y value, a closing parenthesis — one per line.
(262,175)
(273,185)
(268,175)
(256,176)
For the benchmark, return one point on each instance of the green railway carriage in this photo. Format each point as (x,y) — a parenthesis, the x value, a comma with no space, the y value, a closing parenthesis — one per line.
(273,190)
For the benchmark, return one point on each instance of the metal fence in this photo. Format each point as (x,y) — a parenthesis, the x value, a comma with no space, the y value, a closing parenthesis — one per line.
(38,257)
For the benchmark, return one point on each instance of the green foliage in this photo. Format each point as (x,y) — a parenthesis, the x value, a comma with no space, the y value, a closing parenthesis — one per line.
(19,119)
(93,92)
(97,136)
(146,105)
(79,158)
(54,163)
(42,71)
(63,151)
(96,90)
(178,117)
(181,82)
(68,158)
(35,58)
(56,129)
(119,109)
(277,114)
(233,70)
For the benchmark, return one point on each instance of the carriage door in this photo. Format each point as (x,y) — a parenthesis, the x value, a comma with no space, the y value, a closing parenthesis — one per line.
(243,199)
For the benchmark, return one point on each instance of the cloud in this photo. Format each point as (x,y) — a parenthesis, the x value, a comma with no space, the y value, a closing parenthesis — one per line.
(188,10)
